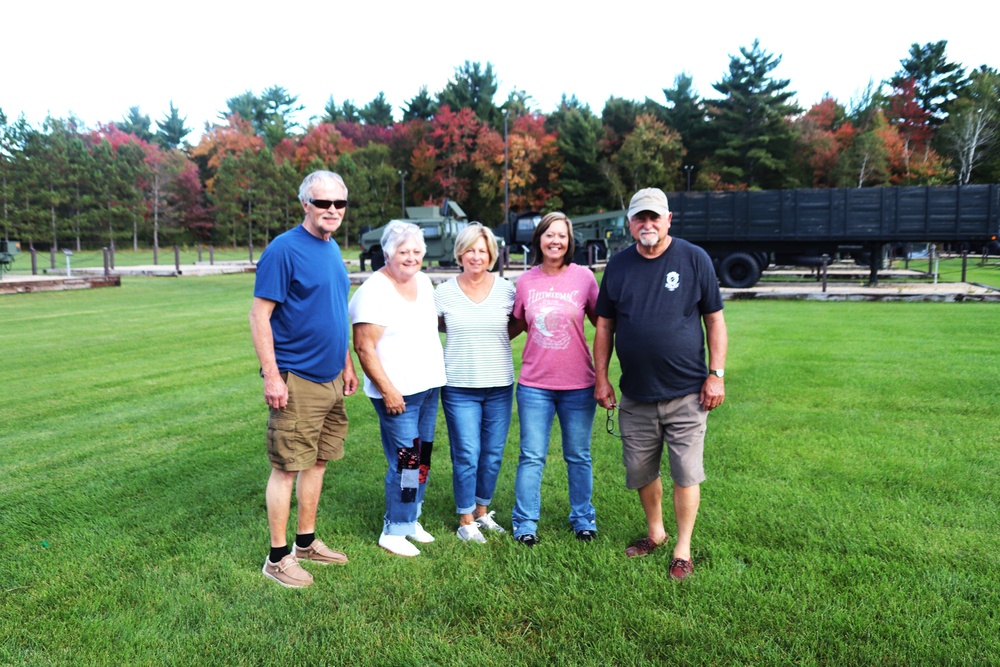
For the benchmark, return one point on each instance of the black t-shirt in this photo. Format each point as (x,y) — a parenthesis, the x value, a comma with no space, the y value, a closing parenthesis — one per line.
(657,305)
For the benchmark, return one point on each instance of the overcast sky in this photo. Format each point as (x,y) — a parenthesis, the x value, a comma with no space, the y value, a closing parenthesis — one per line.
(97,59)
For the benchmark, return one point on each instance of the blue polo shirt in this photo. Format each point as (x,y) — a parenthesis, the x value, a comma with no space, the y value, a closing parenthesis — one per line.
(306,277)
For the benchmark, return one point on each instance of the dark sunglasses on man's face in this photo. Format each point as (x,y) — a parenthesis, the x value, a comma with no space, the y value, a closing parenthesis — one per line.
(338,204)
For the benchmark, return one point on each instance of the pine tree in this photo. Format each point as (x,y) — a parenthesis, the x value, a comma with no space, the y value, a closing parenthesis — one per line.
(937,81)
(578,133)
(473,87)
(171,130)
(421,107)
(377,112)
(752,121)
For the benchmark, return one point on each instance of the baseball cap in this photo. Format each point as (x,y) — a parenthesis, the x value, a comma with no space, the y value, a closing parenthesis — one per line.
(648,199)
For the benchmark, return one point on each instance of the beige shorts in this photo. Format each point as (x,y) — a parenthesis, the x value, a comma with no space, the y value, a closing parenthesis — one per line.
(311,428)
(645,427)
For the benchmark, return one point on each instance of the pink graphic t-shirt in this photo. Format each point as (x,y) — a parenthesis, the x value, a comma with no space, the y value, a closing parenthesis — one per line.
(556,354)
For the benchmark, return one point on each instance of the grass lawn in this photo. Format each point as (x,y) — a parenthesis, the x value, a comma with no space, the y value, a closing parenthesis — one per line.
(850,516)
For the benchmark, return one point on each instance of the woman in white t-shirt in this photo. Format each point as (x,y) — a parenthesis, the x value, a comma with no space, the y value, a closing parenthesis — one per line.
(397,342)
(474,310)
(557,378)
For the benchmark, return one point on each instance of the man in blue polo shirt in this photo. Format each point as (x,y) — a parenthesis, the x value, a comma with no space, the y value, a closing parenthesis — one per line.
(300,325)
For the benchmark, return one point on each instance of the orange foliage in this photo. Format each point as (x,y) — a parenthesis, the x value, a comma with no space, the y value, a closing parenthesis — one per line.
(323,142)
(220,141)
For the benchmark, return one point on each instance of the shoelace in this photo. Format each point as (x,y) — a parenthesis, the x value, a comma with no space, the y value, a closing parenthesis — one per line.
(488,522)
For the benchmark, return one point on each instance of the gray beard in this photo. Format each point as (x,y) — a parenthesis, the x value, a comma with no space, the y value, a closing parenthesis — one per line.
(649,242)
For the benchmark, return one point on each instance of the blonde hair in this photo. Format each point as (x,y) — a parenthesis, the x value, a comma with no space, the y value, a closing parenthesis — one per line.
(468,237)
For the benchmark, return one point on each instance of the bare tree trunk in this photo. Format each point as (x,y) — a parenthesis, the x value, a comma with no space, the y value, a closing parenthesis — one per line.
(55,238)
(156,214)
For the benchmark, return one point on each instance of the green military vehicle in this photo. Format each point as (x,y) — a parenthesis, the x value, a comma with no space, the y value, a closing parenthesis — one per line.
(595,235)
(599,235)
(440,226)
(8,249)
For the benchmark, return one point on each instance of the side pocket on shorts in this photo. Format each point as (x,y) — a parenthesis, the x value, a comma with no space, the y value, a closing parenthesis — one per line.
(281,438)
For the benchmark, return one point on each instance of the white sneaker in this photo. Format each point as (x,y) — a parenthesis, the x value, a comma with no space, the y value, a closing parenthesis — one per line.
(486,522)
(397,544)
(420,535)
(470,533)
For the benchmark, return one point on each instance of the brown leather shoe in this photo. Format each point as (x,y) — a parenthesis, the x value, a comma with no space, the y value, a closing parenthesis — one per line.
(287,572)
(680,569)
(641,547)
(318,552)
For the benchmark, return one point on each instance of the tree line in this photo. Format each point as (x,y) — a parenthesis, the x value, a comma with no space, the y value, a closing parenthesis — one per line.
(932,122)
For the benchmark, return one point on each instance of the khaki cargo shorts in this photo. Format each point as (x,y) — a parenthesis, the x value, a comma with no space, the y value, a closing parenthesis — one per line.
(311,428)
(645,427)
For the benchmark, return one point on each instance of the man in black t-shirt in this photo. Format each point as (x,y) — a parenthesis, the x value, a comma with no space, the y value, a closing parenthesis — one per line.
(653,300)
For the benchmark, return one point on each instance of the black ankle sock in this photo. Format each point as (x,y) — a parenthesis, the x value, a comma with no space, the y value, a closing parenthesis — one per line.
(305,539)
(277,553)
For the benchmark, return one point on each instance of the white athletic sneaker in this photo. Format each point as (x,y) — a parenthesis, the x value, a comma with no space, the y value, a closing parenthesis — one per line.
(486,522)
(397,544)
(470,533)
(420,535)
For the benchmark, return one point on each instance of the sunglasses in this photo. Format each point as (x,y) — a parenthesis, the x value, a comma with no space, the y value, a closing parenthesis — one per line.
(339,204)
(403,228)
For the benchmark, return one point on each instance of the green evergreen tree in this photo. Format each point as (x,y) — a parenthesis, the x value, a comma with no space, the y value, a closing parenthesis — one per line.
(421,107)
(377,112)
(618,119)
(754,139)
(349,112)
(271,114)
(578,133)
(937,80)
(12,136)
(251,193)
(115,189)
(686,113)
(473,87)
(171,130)
(136,123)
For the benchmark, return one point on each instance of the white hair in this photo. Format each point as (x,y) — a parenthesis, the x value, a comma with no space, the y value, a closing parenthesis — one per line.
(396,233)
(317,178)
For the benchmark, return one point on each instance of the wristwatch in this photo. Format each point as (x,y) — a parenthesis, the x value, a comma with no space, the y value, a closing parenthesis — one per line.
(717,372)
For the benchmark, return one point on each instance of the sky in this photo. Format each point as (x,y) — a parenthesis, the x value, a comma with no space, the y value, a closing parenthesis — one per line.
(96,60)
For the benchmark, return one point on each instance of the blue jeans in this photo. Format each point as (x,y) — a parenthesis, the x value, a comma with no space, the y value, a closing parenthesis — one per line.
(535,410)
(407,441)
(478,422)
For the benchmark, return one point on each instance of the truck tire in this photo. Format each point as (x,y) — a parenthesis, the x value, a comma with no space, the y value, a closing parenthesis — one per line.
(739,270)
(378,258)
(763,259)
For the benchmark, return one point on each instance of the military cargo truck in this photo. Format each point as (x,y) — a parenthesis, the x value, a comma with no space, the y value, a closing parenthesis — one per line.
(743,232)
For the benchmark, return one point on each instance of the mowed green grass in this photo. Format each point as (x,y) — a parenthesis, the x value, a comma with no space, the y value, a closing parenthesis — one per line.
(850,516)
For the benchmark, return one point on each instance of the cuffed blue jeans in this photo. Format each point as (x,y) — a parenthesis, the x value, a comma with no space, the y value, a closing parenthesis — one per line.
(407,440)
(536,409)
(478,422)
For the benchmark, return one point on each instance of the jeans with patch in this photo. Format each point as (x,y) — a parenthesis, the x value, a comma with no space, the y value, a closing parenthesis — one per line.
(407,440)
(536,409)
(478,422)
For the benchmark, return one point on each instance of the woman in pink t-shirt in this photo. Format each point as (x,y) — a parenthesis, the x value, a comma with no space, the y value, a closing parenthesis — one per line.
(557,377)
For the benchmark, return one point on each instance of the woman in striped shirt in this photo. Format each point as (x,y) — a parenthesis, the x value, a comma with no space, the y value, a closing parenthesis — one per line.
(474,310)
